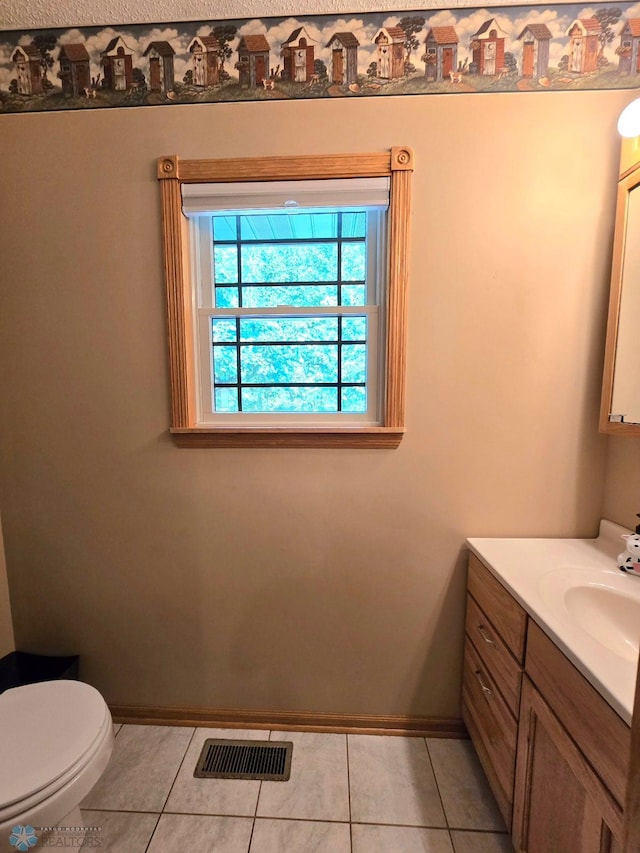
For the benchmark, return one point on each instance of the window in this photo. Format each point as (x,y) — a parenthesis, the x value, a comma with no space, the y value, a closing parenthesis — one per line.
(289,281)
(275,269)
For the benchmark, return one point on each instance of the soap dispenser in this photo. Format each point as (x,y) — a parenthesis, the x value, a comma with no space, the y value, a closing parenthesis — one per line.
(629,560)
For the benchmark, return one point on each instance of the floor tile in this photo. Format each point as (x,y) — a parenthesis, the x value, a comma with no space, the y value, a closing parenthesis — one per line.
(214,796)
(118,831)
(116,728)
(143,765)
(318,788)
(467,799)
(203,833)
(480,842)
(399,839)
(299,836)
(392,782)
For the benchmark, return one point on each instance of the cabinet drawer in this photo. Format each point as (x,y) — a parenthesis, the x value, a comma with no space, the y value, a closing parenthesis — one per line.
(604,738)
(504,669)
(506,615)
(491,721)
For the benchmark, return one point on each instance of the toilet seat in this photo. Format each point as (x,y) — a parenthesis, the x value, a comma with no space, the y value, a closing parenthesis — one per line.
(49,733)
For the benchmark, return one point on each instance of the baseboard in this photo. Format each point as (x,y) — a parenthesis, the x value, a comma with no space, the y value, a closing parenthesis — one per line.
(290,721)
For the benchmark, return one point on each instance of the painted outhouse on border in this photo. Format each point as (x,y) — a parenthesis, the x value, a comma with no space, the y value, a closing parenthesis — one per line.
(344,58)
(117,63)
(535,50)
(584,45)
(298,55)
(28,61)
(441,53)
(253,60)
(205,52)
(389,42)
(75,73)
(488,49)
(629,48)
(161,69)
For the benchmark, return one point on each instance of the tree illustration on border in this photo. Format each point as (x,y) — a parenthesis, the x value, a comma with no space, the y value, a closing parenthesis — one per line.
(411,25)
(510,63)
(224,34)
(607,19)
(45,42)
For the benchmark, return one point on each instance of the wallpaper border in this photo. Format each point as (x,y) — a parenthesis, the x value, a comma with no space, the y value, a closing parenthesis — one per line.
(465,50)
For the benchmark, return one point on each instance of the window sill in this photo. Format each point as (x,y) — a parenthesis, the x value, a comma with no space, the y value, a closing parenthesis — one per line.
(373,438)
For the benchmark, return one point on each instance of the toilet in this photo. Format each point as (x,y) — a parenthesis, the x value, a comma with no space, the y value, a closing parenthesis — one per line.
(56,738)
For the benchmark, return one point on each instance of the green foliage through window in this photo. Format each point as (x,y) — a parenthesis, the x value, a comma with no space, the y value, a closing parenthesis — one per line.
(286,362)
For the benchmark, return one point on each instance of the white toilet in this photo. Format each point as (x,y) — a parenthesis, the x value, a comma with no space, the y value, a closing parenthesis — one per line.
(56,738)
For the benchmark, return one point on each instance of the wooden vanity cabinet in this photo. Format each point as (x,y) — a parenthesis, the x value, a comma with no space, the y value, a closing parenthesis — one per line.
(555,753)
(494,655)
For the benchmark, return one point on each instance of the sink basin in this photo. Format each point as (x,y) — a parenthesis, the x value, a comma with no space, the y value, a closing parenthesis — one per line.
(604,604)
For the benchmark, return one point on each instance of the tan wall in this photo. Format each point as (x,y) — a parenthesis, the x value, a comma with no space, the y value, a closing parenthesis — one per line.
(7,643)
(298,580)
(622,483)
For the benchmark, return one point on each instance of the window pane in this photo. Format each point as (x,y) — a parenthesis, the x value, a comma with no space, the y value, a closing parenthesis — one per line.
(258,228)
(354,363)
(285,226)
(315,225)
(354,294)
(226,400)
(225,364)
(354,400)
(223,330)
(290,329)
(290,364)
(227,297)
(354,261)
(287,364)
(289,262)
(225,264)
(225,228)
(287,399)
(354,224)
(299,296)
(354,328)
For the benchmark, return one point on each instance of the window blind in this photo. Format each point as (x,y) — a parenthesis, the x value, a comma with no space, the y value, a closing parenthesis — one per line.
(249,196)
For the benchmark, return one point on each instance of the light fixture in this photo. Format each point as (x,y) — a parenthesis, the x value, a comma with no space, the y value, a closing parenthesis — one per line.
(629,121)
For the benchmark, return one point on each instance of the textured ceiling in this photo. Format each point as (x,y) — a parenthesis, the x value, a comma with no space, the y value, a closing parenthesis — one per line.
(29,14)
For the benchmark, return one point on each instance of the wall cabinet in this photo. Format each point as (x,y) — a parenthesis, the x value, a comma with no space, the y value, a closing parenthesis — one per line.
(620,405)
(555,753)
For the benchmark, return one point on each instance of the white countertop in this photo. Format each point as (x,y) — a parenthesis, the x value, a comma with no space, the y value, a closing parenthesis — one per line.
(521,564)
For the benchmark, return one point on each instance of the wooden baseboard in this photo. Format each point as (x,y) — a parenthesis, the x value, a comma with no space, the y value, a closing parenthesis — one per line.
(290,721)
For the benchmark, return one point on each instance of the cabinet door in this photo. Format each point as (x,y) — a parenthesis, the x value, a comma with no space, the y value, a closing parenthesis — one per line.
(560,803)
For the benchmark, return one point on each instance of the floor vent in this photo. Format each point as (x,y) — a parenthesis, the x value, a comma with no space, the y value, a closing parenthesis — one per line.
(245,759)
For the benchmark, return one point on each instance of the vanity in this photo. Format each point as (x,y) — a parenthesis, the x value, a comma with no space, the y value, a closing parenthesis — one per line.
(551,650)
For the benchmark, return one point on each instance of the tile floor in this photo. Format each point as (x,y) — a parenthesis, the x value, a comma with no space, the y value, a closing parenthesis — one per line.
(346,794)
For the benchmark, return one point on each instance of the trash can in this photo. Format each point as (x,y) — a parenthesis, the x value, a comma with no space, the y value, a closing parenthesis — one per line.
(20,668)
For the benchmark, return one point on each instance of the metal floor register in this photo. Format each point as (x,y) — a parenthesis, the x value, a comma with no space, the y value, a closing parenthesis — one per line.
(245,759)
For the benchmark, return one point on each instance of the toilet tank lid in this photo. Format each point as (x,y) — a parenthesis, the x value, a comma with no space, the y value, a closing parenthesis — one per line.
(45,729)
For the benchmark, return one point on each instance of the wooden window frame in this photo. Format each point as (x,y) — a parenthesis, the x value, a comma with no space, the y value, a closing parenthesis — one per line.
(397,164)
